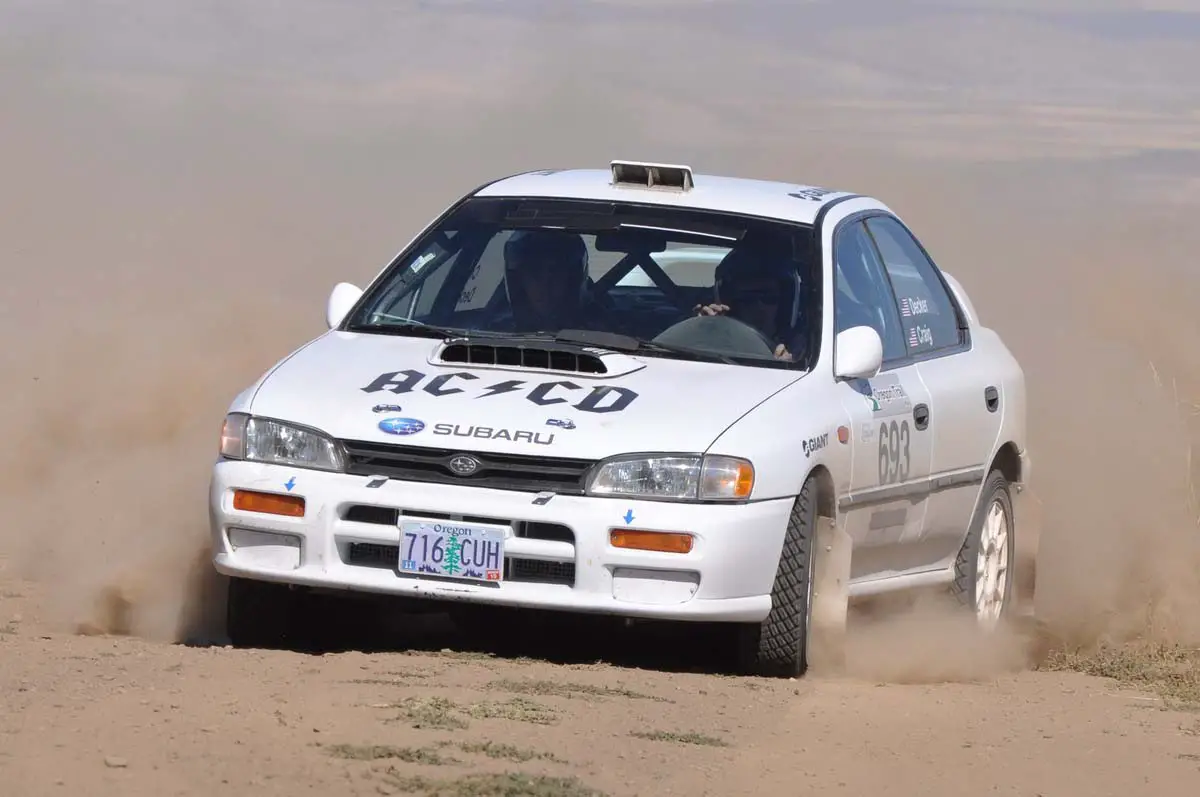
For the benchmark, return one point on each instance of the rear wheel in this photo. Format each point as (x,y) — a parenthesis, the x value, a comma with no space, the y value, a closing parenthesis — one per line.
(779,645)
(983,571)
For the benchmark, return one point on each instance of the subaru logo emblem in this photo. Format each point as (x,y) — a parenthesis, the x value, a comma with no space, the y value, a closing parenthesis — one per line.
(464,465)
(401,426)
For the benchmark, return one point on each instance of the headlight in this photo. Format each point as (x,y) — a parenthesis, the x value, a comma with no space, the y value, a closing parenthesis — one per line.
(675,477)
(278,443)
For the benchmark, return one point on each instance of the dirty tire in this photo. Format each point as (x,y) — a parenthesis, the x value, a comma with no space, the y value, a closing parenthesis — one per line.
(259,614)
(995,488)
(778,647)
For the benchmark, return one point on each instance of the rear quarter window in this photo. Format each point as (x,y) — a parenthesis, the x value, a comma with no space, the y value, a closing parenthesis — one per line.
(927,313)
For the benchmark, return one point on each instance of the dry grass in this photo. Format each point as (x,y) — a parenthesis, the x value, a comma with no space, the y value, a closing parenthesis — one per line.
(433,756)
(504,784)
(376,752)
(518,709)
(431,713)
(454,655)
(681,738)
(1171,671)
(506,752)
(400,679)
(568,690)
(439,713)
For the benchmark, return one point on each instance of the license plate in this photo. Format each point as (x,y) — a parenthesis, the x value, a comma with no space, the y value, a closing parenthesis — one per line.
(465,551)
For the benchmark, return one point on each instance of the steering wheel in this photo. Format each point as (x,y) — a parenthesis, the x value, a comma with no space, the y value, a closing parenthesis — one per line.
(721,334)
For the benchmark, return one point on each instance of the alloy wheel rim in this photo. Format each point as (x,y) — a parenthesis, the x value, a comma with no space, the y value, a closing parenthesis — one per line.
(991,566)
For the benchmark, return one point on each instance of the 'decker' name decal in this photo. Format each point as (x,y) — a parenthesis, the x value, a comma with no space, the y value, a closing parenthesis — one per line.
(602,398)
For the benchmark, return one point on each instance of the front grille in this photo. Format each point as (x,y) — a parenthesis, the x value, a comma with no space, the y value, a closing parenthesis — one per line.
(496,471)
(523,357)
(390,516)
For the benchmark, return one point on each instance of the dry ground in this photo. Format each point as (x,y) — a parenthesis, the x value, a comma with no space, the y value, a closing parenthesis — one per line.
(105,715)
(183,183)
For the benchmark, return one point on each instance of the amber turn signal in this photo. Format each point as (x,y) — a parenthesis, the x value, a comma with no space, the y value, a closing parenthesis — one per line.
(662,541)
(269,503)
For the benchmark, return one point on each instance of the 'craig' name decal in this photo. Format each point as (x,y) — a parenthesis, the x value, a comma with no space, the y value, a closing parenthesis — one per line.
(602,398)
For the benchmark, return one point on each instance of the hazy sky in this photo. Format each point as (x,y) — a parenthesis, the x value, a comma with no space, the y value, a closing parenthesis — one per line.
(1091,53)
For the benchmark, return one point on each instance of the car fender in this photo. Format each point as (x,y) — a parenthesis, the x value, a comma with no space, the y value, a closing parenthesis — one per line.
(1009,378)
(244,400)
(789,436)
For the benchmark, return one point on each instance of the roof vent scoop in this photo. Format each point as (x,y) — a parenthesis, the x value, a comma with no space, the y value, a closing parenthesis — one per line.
(652,175)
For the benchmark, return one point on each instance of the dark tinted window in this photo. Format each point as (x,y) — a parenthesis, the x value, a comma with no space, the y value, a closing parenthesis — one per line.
(862,295)
(925,308)
(535,267)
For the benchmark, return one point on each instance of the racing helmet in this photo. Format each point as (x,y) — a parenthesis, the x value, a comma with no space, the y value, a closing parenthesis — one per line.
(557,257)
(754,261)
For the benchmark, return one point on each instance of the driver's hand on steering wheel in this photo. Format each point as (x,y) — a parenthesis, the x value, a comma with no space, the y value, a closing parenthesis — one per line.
(781,353)
(710,309)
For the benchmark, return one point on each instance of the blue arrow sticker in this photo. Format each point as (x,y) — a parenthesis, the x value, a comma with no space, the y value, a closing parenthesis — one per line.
(290,483)
(628,516)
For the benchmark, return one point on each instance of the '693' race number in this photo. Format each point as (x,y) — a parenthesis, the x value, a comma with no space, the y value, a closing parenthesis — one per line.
(894,439)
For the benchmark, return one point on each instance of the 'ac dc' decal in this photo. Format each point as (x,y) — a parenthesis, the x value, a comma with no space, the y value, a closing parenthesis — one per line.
(602,398)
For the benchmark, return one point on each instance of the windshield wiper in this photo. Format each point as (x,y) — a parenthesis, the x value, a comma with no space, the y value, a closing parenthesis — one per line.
(410,328)
(632,345)
(413,328)
(683,351)
(587,337)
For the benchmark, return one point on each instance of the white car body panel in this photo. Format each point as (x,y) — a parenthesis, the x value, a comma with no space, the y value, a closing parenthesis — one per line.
(786,422)
(688,404)
(722,578)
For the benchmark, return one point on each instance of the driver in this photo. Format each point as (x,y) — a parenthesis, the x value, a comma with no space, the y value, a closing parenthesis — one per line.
(760,287)
(546,280)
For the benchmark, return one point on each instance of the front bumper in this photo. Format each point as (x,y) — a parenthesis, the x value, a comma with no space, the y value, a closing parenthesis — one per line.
(558,557)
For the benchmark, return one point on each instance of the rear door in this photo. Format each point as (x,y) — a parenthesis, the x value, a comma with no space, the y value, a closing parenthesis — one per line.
(891,452)
(964,420)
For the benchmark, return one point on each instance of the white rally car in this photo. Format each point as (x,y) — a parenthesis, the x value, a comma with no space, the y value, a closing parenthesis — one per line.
(640,392)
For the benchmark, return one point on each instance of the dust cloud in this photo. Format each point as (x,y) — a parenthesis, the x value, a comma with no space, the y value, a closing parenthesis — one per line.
(183,185)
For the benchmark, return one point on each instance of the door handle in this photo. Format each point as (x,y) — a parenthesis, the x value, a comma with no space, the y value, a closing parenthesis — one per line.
(921,416)
(991,397)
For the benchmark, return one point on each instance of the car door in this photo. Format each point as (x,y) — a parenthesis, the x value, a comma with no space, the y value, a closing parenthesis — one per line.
(964,422)
(884,510)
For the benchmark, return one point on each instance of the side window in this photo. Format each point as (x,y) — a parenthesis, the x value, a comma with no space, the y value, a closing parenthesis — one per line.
(862,295)
(928,314)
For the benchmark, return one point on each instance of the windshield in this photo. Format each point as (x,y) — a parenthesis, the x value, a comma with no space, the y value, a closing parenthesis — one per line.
(670,282)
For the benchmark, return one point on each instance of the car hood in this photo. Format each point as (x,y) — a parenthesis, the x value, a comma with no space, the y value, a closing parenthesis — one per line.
(400,390)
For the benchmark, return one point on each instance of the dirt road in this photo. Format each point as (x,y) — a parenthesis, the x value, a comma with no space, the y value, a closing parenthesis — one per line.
(118,716)
(183,183)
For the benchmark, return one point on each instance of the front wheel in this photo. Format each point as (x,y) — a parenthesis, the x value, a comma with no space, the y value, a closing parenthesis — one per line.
(779,646)
(260,614)
(983,570)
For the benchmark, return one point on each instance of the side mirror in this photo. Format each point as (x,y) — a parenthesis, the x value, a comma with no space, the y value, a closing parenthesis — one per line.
(341,299)
(858,353)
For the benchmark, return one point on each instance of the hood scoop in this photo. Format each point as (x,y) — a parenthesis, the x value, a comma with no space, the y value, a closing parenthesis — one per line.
(547,358)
